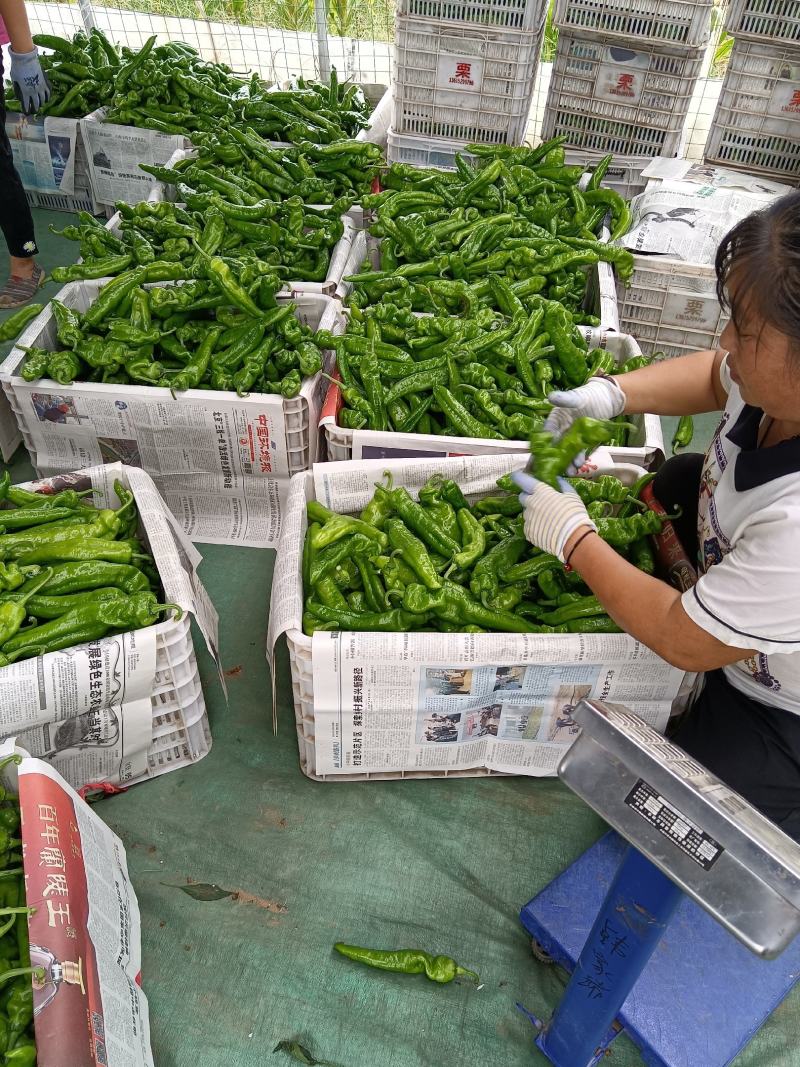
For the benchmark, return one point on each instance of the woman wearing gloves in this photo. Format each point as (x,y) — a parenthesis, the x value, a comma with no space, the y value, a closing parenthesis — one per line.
(740,624)
(16,222)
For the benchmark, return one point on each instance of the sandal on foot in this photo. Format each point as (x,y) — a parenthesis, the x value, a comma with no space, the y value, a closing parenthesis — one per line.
(18,291)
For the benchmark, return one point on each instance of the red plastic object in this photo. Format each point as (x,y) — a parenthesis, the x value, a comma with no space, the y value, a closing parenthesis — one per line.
(669,551)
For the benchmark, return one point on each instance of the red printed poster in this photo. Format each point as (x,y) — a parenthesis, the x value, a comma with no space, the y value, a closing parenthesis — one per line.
(89,1009)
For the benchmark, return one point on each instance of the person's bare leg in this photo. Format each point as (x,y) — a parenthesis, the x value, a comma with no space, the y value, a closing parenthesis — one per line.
(22,268)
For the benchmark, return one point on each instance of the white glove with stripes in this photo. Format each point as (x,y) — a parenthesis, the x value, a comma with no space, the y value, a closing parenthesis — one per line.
(550,517)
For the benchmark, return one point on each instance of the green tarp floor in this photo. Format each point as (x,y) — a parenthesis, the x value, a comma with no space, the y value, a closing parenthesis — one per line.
(441,865)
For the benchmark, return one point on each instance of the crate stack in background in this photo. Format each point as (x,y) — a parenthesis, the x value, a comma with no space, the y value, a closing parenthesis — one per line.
(606,97)
(756,126)
(465,71)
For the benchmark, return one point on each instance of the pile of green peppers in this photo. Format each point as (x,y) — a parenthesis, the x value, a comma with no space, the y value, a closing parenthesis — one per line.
(166,87)
(169,88)
(309,111)
(484,375)
(517,213)
(441,564)
(235,163)
(295,242)
(17,1038)
(70,572)
(213,332)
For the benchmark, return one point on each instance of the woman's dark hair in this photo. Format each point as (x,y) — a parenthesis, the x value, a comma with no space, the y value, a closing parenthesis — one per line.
(762,255)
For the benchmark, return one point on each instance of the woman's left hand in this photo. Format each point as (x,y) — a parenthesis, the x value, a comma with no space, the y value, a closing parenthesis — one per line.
(550,517)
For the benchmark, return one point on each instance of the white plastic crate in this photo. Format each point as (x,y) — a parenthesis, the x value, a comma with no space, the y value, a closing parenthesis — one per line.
(300,646)
(624,175)
(43,172)
(756,126)
(344,444)
(113,154)
(176,695)
(504,14)
(10,436)
(425,151)
(671,306)
(776,21)
(190,443)
(464,82)
(604,98)
(669,22)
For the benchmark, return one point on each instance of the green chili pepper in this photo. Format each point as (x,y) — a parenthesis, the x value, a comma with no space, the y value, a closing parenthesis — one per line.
(407,961)
(684,433)
(412,551)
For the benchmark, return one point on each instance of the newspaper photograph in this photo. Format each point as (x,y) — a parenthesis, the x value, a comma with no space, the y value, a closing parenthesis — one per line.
(85,929)
(44,151)
(89,709)
(400,702)
(221,464)
(686,220)
(115,153)
(105,744)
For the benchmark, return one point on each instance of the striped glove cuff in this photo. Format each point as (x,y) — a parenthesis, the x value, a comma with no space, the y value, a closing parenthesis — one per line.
(550,518)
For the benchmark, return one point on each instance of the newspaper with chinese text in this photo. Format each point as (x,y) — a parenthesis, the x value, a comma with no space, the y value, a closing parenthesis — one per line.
(412,701)
(686,218)
(89,709)
(44,152)
(85,929)
(115,153)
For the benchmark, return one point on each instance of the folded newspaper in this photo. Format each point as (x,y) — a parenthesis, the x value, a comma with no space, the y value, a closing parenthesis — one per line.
(85,931)
(405,702)
(94,711)
(688,208)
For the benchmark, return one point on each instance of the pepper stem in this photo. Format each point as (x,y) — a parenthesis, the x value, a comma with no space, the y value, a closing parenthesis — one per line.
(38,973)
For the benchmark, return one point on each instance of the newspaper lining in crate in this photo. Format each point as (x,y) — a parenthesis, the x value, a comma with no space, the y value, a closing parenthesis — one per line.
(114,153)
(603,98)
(114,709)
(464,82)
(647,449)
(756,125)
(222,463)
(364,703)
(48,153)
(85,931)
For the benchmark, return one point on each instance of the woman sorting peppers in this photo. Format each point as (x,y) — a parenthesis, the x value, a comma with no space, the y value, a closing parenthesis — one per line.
(740,506)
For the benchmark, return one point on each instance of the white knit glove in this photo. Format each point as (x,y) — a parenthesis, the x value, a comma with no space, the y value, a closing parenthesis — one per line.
(550,517)
(600,398)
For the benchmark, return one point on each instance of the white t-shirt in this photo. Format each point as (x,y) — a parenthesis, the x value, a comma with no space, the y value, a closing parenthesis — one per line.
(748,593)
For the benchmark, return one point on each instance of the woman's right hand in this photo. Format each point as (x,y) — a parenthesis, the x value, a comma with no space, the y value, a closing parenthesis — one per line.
(600,398)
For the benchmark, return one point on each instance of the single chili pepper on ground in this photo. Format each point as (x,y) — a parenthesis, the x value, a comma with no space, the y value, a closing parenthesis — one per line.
(407,961)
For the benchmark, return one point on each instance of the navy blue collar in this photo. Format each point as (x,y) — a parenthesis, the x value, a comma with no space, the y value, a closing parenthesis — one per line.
(756,466)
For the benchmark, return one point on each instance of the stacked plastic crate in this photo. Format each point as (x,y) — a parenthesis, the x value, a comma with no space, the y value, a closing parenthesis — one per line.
(756,126)
(465,71)
(623,79)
